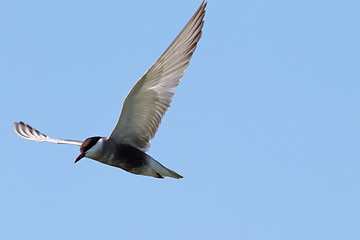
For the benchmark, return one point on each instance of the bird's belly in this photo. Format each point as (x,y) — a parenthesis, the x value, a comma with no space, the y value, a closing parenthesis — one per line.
(133,164)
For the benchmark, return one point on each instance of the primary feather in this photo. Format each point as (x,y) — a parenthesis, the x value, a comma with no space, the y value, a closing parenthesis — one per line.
(149,99)
(29,133)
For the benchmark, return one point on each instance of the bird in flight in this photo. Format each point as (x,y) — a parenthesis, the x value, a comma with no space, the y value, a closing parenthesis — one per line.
(142,110)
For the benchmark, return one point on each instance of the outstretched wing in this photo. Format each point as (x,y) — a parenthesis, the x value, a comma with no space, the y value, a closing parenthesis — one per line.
(149,99)
(29,133)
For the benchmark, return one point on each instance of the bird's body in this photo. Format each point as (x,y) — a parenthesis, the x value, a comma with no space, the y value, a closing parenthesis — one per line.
(128,158)
(142,110)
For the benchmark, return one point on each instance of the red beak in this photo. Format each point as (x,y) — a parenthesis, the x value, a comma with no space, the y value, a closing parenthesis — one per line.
(79,157)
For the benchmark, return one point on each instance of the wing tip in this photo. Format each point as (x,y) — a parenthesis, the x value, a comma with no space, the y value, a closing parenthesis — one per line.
(18,127)
(26,131)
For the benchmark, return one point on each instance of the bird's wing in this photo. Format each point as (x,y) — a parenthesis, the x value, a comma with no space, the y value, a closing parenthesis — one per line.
(149,99)
(29,133)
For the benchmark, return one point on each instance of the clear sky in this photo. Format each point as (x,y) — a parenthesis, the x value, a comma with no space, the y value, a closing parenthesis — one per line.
(264,127)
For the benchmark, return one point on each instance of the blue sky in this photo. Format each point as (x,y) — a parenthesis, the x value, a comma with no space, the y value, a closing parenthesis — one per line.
(264,127)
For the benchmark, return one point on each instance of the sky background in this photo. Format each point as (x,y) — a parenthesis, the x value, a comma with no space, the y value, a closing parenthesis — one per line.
(264,127)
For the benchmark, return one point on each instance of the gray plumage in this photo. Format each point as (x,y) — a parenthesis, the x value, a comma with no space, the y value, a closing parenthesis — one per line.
(149,99)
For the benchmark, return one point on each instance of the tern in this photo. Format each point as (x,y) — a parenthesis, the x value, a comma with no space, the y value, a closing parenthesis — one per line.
(142,110)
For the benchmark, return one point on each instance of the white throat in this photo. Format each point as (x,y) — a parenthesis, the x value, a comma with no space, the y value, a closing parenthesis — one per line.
(95,151)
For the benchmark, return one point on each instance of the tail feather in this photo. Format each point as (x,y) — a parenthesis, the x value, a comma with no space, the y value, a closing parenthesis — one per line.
(173,174)
(156,169)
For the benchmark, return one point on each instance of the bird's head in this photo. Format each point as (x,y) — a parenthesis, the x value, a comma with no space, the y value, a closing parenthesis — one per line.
(88,146)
